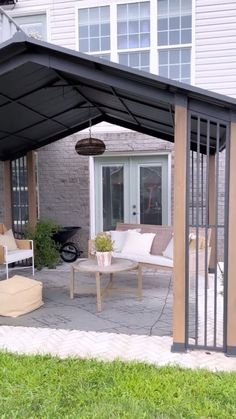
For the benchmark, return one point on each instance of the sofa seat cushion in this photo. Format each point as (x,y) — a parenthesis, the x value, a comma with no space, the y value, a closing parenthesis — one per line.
(19,295)
(19,254)
(152,259)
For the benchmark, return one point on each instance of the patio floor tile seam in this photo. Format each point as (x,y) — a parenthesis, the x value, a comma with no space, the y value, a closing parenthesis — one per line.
(107,347)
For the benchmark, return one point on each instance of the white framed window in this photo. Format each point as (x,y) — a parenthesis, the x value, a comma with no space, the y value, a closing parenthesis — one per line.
(174,22)
(175,64)
(35,26)
(94,29)
(136,59)
(154,35)
(133,25)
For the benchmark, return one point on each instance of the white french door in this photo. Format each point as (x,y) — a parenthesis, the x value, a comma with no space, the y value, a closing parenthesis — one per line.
(130,189)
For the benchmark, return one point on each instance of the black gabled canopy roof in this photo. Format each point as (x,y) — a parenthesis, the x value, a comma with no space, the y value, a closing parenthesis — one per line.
(49,92)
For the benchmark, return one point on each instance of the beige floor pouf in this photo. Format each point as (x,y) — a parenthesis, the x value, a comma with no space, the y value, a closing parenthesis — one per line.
(19,295)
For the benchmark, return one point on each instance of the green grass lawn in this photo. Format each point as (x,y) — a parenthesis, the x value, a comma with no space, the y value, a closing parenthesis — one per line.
(45,387)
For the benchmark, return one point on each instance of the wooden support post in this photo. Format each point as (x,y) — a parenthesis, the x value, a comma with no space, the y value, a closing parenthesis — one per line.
(7,195)
(231,289)
(212,209)
(180,176)
(32,192)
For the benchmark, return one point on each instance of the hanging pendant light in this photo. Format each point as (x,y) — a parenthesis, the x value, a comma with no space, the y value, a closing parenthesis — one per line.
(90,146)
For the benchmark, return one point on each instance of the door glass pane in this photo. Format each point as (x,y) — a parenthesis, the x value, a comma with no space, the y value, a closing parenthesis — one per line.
(113,196)
(150,195)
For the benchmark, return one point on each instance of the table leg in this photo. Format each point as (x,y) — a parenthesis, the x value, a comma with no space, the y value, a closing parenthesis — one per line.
(140,282)
(98,286)
(72,281)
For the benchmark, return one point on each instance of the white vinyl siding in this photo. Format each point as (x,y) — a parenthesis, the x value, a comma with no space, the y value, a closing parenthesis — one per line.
(215,46)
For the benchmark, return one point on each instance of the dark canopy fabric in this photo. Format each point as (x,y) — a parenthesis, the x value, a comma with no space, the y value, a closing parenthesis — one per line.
(49,92)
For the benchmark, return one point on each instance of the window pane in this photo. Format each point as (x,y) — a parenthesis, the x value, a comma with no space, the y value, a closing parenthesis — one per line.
(174,23)
(134,59)
(113,196)
(83,32)
(162,38)
(122,28)
(185,70)
(94,44)
(174,72)
(105,29)
(83,16)
(186,36)
(133,27)
(163,57)
(145,10)
(122,11)
(94,31)
(174,56)
(162,24)
(145,26)
(123,59)
(84,45)
(162,7)
(105,43)
(144,58)
(174,37)
(94,15)
(144,40)
(133,41)
(133,10)
(105,13)
(122,42)
(185,55)
(186,22)
(163,71)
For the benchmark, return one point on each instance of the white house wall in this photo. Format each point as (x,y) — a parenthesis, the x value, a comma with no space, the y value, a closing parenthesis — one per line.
(215,46)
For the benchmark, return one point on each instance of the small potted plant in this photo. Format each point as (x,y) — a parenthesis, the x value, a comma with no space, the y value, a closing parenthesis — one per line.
(103,246)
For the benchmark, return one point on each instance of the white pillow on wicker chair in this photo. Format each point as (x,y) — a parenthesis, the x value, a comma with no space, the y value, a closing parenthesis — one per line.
(8,240)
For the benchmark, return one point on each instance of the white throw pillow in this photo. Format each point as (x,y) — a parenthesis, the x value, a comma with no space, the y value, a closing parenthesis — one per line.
(119,237)
(168,252)
(138,243)
(8,240)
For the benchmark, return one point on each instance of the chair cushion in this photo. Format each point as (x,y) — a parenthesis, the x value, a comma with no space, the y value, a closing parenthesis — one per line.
(8,240)
(19,295)
(152,259)
(19,254)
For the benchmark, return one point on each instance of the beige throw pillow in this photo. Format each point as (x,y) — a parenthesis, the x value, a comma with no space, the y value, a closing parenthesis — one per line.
(8,240)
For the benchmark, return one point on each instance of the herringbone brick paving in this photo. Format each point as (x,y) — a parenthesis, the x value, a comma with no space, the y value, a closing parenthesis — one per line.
(108,347)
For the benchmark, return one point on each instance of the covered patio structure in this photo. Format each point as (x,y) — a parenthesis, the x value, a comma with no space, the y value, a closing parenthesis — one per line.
(48,93)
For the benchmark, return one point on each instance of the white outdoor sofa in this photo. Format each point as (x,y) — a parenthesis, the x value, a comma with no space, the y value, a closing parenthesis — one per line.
(24,250)
(163,235)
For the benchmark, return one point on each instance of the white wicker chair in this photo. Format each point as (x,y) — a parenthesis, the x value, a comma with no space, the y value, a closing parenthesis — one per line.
(25,250)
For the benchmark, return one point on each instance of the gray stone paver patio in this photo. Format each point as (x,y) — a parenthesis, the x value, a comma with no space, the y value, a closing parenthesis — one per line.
(126,329)
(122,312)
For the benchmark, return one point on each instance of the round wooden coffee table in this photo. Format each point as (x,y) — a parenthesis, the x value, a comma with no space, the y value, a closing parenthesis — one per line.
(117,265)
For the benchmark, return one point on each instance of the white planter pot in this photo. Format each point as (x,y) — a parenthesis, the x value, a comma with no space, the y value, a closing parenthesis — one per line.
(103,259)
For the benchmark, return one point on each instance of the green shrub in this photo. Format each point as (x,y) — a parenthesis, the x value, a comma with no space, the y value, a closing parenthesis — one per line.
(46,251)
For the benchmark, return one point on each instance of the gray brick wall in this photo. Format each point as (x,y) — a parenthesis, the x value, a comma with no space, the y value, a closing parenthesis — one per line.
(64,176)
